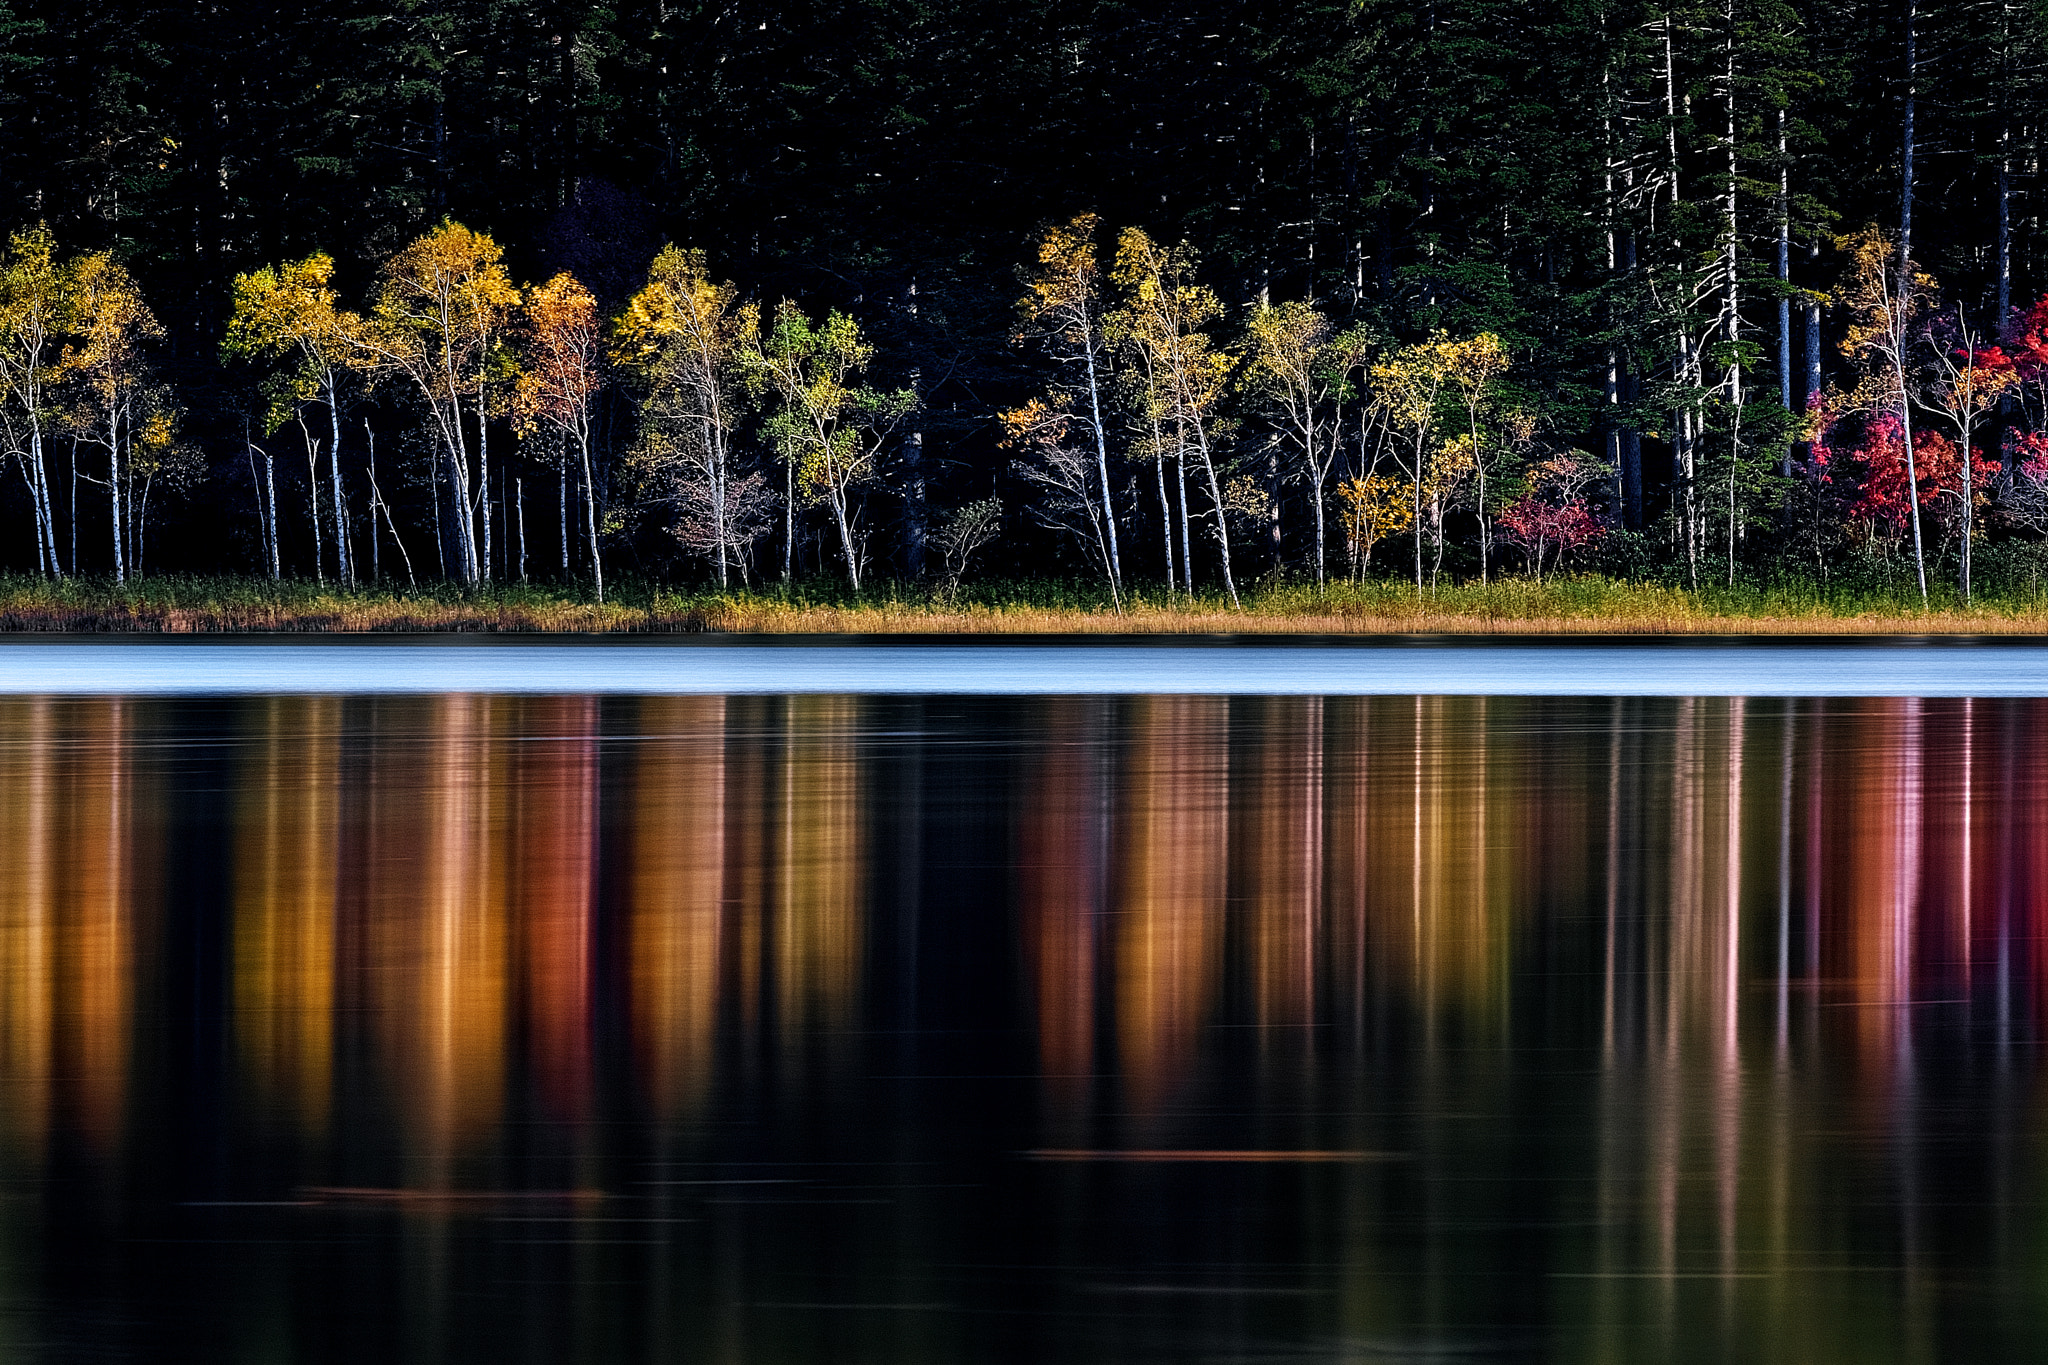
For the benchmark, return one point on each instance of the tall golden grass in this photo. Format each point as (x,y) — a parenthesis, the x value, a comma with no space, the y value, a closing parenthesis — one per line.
(1574,606)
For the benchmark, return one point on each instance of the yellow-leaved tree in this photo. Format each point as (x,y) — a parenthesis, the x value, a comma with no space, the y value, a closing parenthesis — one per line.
(35,301)
(291,312)
(439,324)
(1062,310)
(114,400)
(1476,366)
(1410,384)
(686,339)
(1302,367)
(1180,371)
(828,430)
(1374,507)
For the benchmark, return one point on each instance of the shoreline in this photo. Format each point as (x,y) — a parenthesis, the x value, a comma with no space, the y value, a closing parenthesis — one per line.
(75,666)
(1584,608)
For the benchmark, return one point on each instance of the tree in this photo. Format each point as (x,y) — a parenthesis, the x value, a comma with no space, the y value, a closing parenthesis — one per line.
(439,317)
(111,370)
(1058,459)
(1160,324)
(1409,383)
(1303,372)
(686,339)
(35,301)
(561,350)
(966,533)
(1970,381)
(1554,514)
(828,432)
(1475,366)
(292,311)
(1061,309)
(1375,507)
(1886,301)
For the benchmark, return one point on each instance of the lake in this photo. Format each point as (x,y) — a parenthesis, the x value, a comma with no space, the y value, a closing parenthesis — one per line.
(642,1021)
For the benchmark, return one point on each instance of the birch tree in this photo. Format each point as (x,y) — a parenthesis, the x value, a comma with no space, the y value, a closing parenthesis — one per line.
(35,302)
(828,431)
(443,306)
(1886,304)
(561,372)
(111,371)
(292,312)
(1161,322)
(1970,381)
(1410,383)
(1062,310)
(1302,368)
(687,340)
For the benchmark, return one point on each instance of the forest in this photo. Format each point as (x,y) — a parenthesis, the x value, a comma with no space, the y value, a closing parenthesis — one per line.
(1175,299)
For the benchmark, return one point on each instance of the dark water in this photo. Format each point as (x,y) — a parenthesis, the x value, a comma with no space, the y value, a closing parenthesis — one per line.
(844,1029)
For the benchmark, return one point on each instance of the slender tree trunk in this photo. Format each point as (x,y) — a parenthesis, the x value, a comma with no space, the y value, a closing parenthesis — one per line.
(1682,358)
(1222,525)
(270,509)
(1811,389)
(562,510)
(519,500)
(788,519)
(344,570)
(1969,512)
(313,502)
(256,492)
(47,512)
(1319,474)
(1612,384)
(2005,78)
(370,464)
(114,491)
(1116,570)
(914,508)
(1731,281)
(1273,536)
(1899,341)
(837,501)
(1165,521)
(412,580)
(1784,270)
(1421,444)
(590,517)
(1187,545)
(1907,147)
(714,446)
(483,481)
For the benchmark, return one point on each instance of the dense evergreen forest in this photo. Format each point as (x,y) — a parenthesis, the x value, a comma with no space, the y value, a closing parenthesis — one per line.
(895,290)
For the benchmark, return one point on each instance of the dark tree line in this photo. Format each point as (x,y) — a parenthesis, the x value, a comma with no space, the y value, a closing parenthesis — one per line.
(1641,205)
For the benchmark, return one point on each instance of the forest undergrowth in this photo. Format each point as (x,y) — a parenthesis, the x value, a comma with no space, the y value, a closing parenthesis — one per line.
(1575,605)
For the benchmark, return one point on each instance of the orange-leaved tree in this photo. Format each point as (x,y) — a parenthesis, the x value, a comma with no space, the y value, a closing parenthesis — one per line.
(562,355)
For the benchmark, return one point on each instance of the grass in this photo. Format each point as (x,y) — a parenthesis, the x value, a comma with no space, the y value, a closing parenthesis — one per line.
(1568,606)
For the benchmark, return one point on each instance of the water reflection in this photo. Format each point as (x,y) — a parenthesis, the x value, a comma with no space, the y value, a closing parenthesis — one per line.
(601,1028)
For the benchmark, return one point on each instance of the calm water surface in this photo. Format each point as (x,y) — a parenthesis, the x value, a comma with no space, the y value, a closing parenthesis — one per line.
(893,1029)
